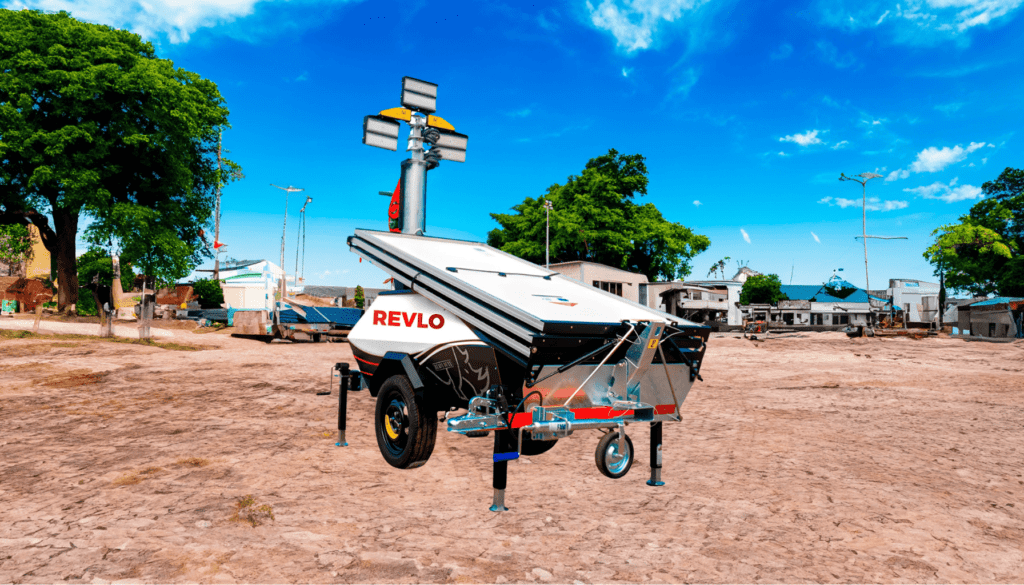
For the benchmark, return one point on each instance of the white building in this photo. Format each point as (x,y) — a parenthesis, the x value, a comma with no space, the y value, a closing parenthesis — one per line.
(250,284)
(702,301)
(918,299)
(616,281)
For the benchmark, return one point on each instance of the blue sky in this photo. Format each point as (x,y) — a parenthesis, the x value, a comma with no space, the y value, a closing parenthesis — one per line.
(747,113)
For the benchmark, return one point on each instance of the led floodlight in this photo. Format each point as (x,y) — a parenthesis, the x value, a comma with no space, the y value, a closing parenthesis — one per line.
(380,132)
(419,95)
(452,140)
(452,154)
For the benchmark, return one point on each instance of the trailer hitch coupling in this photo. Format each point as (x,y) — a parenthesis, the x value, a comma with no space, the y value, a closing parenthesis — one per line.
(485,414)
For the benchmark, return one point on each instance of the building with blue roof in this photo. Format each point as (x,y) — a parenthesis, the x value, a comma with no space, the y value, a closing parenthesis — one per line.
(998,317)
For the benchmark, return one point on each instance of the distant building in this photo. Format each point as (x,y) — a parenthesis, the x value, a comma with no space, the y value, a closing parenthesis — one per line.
(919,300)
(250,284)
(743,274)
(614,280)
(999,317)
(38,263)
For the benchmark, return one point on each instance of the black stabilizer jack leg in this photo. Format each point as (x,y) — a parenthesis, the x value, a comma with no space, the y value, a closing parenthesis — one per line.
(655,455)
(501,458)
(343,369)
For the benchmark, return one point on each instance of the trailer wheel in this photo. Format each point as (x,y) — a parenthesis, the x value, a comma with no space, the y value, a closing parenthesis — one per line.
(405,430)
(612,461)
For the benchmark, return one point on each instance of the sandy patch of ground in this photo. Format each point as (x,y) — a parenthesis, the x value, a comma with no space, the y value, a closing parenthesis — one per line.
(805,458)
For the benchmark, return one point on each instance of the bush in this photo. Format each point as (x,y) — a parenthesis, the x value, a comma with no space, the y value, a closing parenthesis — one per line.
(211,296)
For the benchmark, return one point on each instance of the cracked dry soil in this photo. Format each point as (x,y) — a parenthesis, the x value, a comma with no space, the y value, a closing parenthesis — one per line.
(807,458)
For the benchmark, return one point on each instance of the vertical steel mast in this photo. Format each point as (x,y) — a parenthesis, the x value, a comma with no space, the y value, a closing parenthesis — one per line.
(419,102)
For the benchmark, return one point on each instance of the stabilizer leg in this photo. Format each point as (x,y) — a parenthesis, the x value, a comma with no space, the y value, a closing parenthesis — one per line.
(655,455)
(501,457)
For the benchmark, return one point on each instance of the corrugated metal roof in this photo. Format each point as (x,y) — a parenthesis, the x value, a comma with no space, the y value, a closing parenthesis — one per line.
(997,301)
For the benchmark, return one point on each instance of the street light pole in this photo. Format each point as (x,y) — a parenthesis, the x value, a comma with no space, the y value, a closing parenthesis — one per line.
(300,238)
(547,234)
(863,180)
(284,228)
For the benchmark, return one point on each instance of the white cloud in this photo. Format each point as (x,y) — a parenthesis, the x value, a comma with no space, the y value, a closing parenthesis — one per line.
(830,54)
(873,203)
(783,52)
(917,21)
(519,113)
(840,144)
(686,81)
(626,72)
(816,238)
(746,236)
(897,174)
(634,23)
(933,159)
(950,193)
(806,139)
(177,19)
(698,203)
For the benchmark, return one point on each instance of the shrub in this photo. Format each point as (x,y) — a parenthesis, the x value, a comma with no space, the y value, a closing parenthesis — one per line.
(211,295)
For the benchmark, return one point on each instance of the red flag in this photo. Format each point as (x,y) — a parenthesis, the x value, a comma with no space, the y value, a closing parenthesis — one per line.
(217,244)
(394,210)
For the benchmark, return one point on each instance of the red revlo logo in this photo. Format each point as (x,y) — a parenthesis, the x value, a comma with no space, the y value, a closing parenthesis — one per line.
(403,319)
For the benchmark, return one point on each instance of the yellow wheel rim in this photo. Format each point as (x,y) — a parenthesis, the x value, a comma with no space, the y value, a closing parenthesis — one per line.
(388,429)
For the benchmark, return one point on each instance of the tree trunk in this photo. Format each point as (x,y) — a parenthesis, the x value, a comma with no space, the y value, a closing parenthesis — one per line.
(65,224)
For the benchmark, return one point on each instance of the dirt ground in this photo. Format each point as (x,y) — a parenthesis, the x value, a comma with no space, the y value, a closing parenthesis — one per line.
(807,458)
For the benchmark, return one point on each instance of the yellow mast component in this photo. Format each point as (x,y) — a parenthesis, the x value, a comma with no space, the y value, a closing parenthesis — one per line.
(439,122)
(397,113)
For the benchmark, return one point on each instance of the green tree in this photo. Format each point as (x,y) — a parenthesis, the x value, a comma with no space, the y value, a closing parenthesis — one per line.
(596,219)
(93,124)
(360,297)
(210,293)
(762,289)
(983,253)
(15,246)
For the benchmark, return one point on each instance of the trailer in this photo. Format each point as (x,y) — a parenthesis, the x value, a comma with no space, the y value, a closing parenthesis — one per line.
(531,355)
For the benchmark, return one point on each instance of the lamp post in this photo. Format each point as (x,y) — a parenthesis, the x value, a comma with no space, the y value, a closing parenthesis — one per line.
(548,206)
(300,238)
(863,180)
(284,228)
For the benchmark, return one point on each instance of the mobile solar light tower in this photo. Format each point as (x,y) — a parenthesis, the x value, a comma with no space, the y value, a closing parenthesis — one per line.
(529,354)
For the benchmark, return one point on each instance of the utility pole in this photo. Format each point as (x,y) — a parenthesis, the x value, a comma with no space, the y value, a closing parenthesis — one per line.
(547,234)
(216,217)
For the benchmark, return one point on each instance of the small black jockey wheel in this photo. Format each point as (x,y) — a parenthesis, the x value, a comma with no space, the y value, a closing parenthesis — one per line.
(405,430)
(613,460)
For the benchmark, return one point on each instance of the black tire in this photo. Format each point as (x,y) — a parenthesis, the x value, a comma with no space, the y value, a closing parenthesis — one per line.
(609,461)
(532,448)
(405,430)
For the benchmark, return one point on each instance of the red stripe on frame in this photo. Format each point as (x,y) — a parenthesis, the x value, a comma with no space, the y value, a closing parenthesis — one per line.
(524,419)
(366,362)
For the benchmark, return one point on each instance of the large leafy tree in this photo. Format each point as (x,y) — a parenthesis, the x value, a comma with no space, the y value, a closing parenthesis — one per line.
(984,253)
(762,289)
(596,218)
(93,124)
